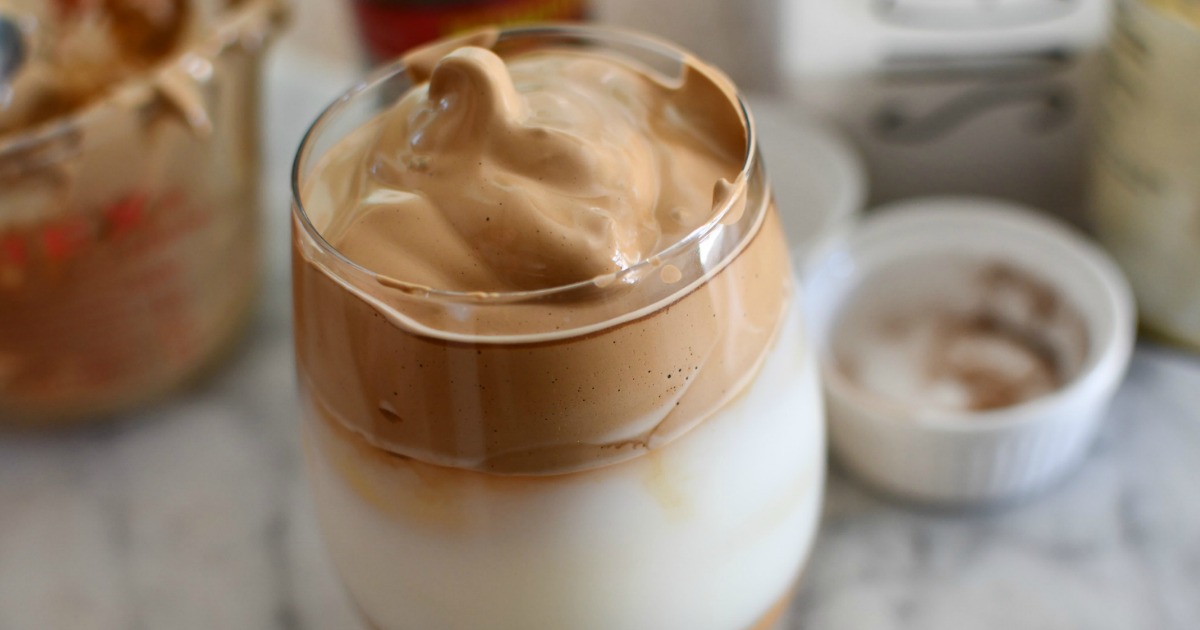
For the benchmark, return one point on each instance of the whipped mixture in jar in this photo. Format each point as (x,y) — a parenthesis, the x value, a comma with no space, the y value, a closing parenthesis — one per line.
(552,371)
(128,196)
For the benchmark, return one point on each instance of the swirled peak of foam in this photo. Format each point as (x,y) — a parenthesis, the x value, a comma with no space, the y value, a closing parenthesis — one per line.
(536,171)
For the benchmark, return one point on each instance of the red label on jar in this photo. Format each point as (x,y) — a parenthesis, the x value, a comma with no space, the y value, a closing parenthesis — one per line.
(64,238)
(390,28)
(124,216)
(95,305)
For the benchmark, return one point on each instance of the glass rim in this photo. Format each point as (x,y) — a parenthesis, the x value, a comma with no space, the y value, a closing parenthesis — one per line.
(231,27)
(598,33)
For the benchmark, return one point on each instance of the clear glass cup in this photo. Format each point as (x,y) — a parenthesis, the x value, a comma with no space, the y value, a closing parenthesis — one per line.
(129,231)
(471,457)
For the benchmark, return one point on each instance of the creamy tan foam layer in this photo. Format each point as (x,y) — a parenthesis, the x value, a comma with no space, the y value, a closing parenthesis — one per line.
(556,168)
(534,171)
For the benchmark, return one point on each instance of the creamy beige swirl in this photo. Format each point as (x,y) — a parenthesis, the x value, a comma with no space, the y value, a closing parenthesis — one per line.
(530,170)
(557,168)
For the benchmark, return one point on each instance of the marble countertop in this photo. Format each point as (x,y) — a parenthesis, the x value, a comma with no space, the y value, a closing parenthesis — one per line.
(195,513)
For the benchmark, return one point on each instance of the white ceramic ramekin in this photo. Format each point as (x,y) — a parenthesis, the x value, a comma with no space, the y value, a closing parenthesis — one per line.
(973,457)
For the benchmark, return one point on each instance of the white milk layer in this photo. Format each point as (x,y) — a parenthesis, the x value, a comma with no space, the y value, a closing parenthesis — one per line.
(706,533)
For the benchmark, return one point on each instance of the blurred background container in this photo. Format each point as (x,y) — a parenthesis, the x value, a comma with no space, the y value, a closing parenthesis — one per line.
(129,227)
(1146,177)
(971,97)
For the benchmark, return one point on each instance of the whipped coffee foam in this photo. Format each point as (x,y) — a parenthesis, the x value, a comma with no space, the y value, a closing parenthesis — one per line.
(555,168)
(505,169)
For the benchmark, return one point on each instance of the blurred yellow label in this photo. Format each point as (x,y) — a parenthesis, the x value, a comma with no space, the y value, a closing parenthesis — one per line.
(1186,10)
(1146,176)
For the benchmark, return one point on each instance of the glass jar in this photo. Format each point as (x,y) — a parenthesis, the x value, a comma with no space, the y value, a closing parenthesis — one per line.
(482,460)
(129,231)
(1146,173)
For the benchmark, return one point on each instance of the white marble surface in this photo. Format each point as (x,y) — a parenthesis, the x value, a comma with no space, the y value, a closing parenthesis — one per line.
(195,513)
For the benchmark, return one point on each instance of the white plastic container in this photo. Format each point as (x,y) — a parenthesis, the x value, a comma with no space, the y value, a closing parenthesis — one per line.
(937,455)
(953,96)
